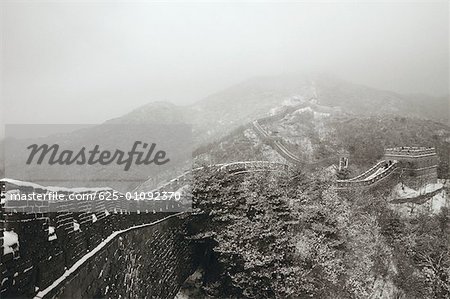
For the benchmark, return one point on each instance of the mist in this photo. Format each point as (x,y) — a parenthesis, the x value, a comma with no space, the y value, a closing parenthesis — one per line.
(86,63)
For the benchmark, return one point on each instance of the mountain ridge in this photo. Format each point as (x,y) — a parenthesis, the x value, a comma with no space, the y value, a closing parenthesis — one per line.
(217,114)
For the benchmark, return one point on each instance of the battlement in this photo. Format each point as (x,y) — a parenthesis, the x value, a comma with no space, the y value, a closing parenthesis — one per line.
(418,164)
(370,178)
(410,151)
(39,244)
(43,245)
(415,166)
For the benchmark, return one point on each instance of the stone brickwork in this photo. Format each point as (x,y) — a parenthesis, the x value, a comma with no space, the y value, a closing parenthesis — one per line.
(277,144)
(413,166)
(50,243)
(418,164)
(147,262)
(380,174)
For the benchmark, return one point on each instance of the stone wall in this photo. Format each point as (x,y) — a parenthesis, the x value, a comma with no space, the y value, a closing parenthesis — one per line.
(419,165)
(418,179)
(147,262)
(387,175)
(49,243)
(413,166)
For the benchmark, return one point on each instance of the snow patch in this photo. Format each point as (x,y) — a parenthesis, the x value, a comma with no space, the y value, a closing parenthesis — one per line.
(53,188)
(432,205)
(51,230)
(86,257)
(430,188)
(76,226)
(403,191)
(303,110)
(293,101)
(438,202)
(10,242)
(10,195)
(311,110)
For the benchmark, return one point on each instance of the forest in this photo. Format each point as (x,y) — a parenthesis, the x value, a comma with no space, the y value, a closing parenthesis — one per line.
(290,235)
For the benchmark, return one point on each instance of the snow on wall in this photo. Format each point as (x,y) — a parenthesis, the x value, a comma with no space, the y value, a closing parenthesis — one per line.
(438,202)
(406,203)
(10,242)
(52,188)
(51,233)
(114,271)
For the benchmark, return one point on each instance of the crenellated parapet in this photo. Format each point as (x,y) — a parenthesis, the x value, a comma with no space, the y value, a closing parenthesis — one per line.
(418,164)
(380,172)
(233,168)
(42,244)
(42,239)
(410,151)
(414,166)
(276,143)
(414,158)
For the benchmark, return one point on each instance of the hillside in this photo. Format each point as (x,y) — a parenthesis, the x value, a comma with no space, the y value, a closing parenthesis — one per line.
(315,136)
(363,100)
(289,235)
(216,115)
(345,118)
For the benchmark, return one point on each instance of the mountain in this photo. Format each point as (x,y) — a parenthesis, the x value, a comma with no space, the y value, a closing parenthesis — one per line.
(216,115)
(223,111)
(318,136)
(363,100)
(233,109)
(67,158)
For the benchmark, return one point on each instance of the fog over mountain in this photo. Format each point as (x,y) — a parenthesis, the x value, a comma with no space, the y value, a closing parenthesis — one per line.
(220,112)
(87,63)
(225,149)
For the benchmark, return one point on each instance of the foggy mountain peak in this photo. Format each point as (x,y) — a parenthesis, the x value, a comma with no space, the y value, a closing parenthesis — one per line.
(258,96)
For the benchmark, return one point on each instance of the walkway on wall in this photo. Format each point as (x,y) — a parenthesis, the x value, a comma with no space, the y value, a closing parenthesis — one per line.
(249,166)
(373,176)
(80,226)
(111,225)
(232,168)
(50,237)
(278,146)
(43,293)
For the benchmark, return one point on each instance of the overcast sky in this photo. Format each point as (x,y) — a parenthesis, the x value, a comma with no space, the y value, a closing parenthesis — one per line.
(86,63)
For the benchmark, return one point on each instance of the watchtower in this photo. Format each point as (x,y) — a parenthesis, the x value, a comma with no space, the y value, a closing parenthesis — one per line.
(418,164)
(343,163)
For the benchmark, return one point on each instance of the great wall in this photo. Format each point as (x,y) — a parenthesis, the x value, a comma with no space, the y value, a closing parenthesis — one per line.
(408,167)
(99,250)
(232,168)
(91,249)
(40,247)
(413,166)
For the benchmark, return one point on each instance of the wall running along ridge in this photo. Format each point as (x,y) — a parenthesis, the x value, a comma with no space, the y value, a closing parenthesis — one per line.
(49,243)
(158,256)
(149,261)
